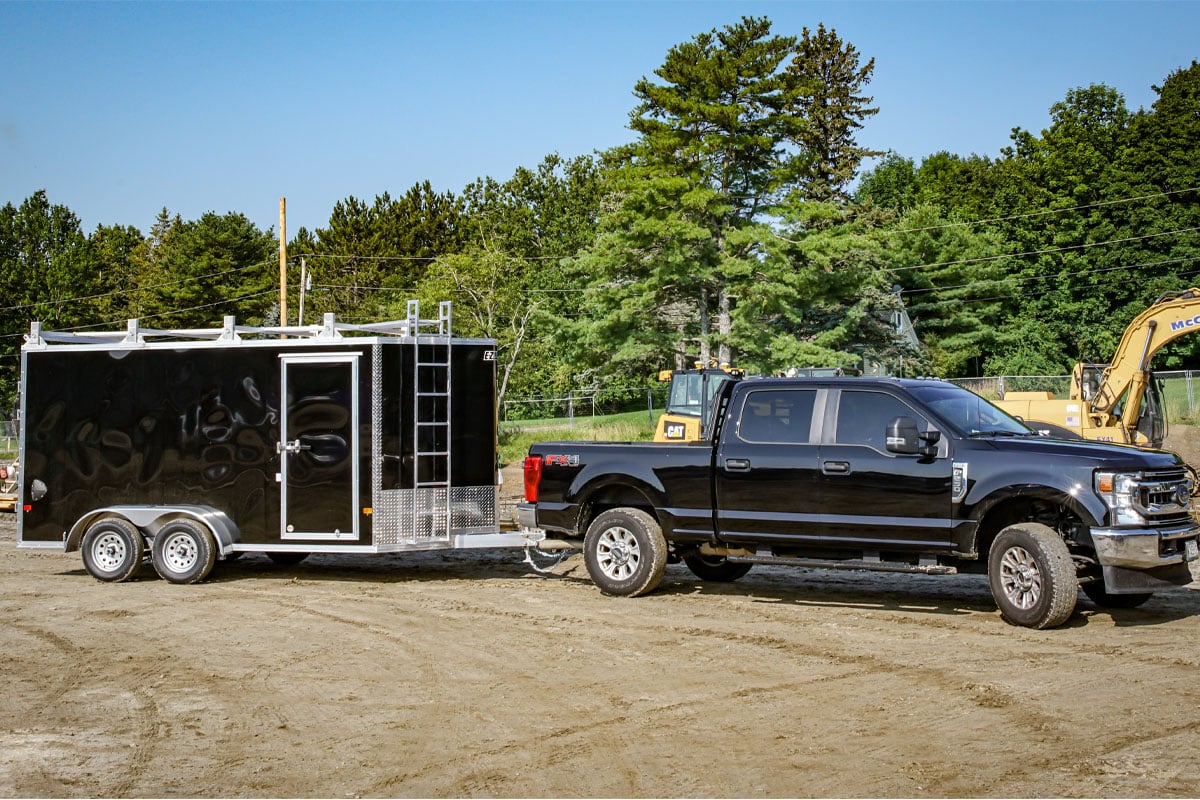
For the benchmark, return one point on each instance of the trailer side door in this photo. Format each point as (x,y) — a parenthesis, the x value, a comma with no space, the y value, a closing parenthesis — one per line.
(319,461)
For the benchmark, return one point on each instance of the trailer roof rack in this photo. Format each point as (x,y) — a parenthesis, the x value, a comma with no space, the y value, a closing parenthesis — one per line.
(230,332)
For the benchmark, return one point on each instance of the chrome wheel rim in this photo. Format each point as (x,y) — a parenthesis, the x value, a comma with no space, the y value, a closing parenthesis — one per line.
(180,552)
(1020,578)
(618,553)
(109,552)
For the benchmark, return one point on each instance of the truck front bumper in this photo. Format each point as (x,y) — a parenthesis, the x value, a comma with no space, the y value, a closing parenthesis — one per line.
(1142,548)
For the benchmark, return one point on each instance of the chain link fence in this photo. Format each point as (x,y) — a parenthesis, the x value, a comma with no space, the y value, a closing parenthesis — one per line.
(580,404)
(1180,389)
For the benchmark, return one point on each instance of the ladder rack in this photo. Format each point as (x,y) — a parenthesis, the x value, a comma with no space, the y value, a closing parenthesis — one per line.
(431,424)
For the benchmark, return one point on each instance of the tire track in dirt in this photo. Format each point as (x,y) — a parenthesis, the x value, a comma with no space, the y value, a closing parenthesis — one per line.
(93,668)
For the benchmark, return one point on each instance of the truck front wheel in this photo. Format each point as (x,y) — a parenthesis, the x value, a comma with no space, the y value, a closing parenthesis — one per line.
(1032,576)
(1100,596)
(625,552)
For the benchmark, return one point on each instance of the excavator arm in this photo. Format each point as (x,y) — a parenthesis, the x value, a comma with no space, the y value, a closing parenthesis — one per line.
(1171,316)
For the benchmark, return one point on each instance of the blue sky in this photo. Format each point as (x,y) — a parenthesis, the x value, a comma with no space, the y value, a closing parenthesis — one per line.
(120,109)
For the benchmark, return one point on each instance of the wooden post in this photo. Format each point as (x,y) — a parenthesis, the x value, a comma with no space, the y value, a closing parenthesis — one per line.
(282,261)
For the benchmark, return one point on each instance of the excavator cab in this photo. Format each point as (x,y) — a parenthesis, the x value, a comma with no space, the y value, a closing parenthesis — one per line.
(1152,419)
(689,401)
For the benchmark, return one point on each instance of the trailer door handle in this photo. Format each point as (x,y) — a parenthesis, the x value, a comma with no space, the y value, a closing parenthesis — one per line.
(737,465)
(835,467)
(292,447)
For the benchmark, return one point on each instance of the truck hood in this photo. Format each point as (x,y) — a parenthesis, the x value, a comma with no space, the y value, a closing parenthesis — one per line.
(1100,454)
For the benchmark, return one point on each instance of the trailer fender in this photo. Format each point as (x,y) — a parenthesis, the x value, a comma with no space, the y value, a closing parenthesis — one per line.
(150,519)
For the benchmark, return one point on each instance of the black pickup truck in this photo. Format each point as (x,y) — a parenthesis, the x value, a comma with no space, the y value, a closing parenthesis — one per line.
(873,474)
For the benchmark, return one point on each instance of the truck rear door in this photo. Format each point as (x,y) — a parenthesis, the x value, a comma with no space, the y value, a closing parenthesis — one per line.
(765,475)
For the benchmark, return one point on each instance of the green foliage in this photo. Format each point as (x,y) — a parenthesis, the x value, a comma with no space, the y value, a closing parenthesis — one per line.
(193,272)
(725,228)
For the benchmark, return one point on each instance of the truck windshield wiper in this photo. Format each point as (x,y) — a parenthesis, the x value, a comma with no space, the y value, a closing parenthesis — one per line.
(1003,433)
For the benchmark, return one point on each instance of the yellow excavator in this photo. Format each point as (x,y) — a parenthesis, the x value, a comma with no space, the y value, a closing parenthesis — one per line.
(1120,401)
(689,399)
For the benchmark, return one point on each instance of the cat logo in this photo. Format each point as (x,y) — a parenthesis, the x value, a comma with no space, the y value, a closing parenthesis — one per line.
(676,430)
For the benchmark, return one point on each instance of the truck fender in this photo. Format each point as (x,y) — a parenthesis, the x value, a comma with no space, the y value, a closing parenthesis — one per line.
(150,519)
(993,489)
(627,490)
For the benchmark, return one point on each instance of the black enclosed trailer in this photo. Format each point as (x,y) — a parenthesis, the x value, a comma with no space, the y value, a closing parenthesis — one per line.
(195,445)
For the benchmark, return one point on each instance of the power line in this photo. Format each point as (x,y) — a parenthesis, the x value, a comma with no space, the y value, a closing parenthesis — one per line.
(1085,207)
(1047,251)
(1024,278)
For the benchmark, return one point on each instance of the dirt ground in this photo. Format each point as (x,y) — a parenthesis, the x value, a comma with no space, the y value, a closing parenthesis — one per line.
(468,674)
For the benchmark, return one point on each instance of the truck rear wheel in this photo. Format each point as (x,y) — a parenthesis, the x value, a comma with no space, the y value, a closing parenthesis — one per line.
(113,550)
(1032,576)
(715,568)
(625,552)
(183,551)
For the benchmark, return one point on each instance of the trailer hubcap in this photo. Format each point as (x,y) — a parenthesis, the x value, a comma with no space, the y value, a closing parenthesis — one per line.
(180,553)
(109,552)
(617,553)
(1020,578)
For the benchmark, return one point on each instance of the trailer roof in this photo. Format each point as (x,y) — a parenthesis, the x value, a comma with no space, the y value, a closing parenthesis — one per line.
(230,333)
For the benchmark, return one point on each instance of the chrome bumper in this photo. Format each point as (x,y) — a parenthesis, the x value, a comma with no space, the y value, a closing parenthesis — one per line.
(1140,548)
(526,516)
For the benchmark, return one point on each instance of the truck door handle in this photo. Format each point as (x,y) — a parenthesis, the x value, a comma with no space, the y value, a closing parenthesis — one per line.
(737,465)
(835,467)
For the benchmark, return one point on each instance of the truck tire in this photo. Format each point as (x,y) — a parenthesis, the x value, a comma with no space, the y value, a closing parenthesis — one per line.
(183,551)
(625,552)
(715,568)
(113,550)
(1032,576)
(1096,592)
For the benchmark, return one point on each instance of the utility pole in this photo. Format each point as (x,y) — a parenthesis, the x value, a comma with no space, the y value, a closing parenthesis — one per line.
(282,261)
(305,285)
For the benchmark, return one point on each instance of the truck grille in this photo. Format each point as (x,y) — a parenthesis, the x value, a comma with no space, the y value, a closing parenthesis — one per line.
(1164,497)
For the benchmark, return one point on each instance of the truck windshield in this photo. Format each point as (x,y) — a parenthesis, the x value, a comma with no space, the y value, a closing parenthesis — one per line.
(968,413)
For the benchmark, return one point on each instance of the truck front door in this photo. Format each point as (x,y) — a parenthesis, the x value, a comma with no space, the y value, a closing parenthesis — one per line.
(319,452)
(874,499)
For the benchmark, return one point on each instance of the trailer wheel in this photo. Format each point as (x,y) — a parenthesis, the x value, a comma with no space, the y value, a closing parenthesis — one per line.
(183,551)
(1032,576)
(715,568)
(113,550)
(625,552)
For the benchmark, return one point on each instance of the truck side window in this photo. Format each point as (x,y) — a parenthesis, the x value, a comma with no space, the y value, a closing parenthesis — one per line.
(863,417)
(781,416)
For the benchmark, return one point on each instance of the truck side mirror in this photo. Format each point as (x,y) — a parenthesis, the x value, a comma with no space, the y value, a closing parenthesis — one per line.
(902,436)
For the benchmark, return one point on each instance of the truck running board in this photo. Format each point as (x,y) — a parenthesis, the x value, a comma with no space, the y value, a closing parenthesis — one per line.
(926,567)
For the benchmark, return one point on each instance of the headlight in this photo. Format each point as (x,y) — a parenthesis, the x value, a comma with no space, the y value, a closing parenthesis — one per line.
(1117,489)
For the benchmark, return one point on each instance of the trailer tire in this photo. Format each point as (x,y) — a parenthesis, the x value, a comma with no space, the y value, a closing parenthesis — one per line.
(113,550)
(1032,576)
(625,552)
(715,568)
(183,551)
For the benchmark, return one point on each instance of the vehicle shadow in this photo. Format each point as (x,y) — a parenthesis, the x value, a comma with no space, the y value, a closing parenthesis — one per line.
(953,596)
